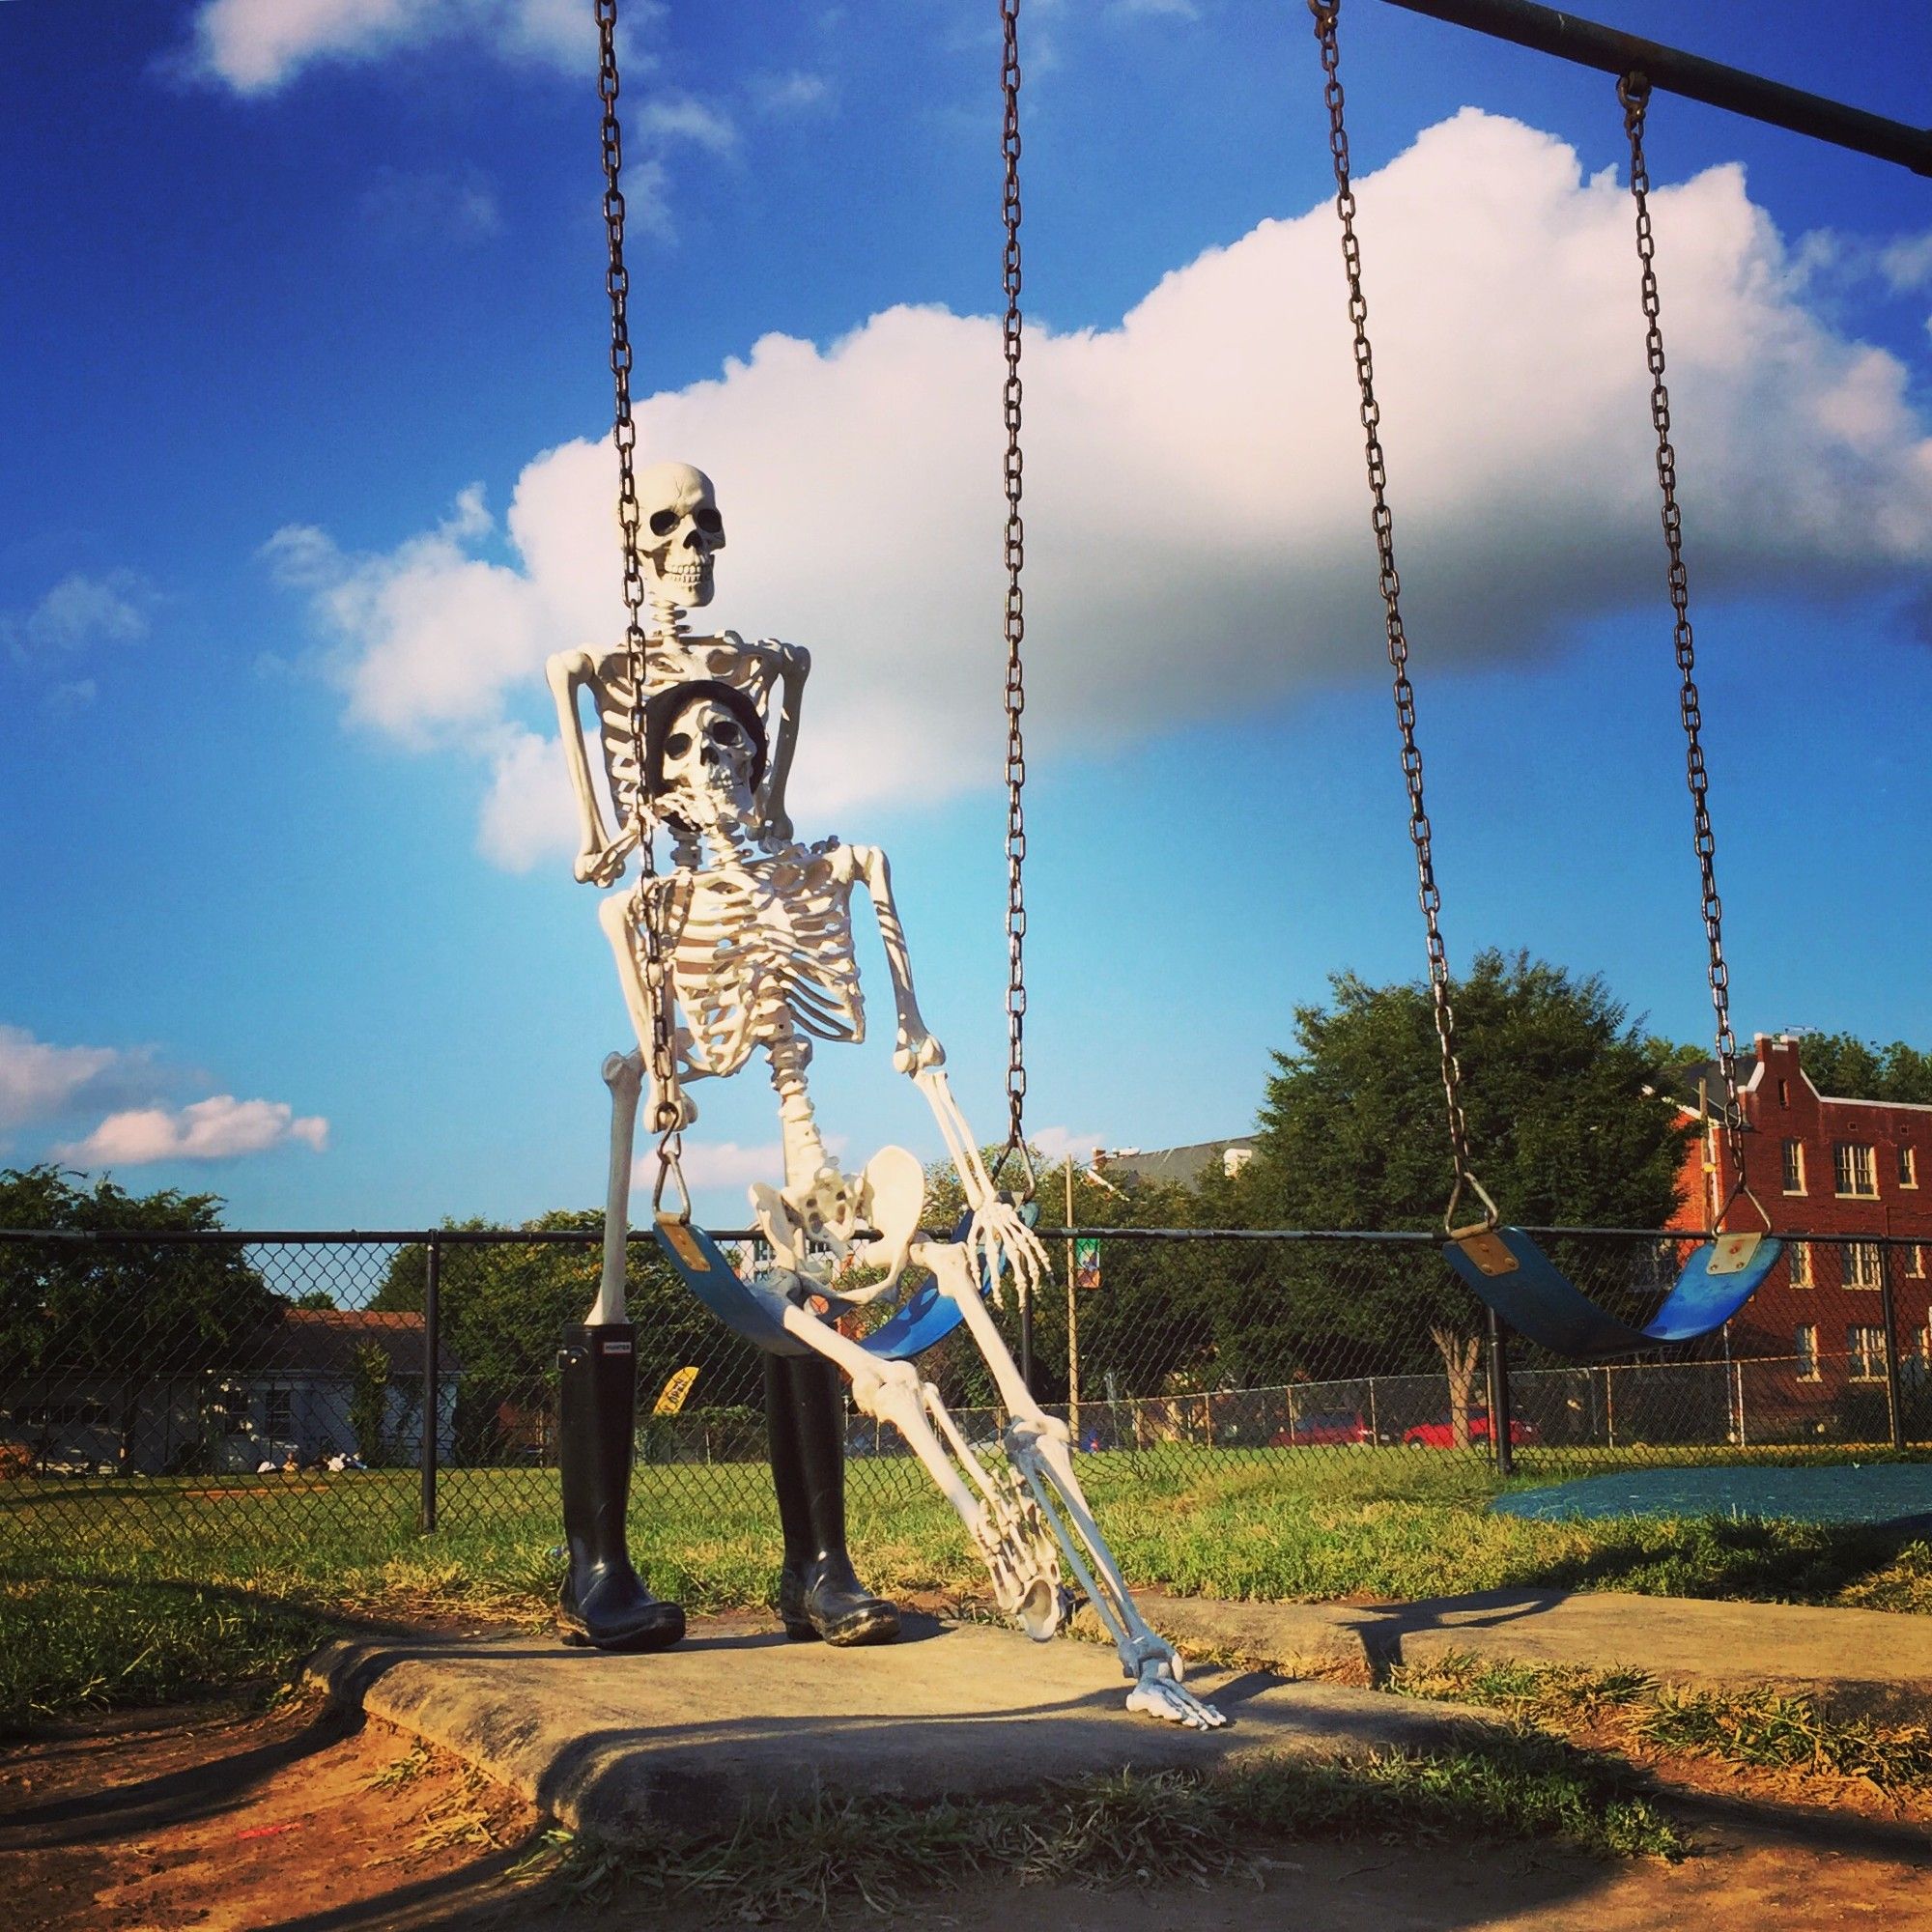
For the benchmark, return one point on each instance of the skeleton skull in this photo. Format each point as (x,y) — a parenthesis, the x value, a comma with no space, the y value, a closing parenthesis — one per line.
(679,531)
(708,762)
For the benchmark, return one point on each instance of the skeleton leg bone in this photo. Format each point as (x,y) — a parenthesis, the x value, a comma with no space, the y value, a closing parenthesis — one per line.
(624,1075)
(1039,1448)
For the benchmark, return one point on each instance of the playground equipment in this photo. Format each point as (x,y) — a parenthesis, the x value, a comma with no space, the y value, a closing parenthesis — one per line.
(745,947)
(1503,1265)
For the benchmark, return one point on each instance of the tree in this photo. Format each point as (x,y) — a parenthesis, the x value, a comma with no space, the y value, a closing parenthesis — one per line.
(126,1312)
(1562,1132)
(503,1306)
(1857,1069)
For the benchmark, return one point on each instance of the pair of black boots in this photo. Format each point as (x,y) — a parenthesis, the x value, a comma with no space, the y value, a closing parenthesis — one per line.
(604,1601)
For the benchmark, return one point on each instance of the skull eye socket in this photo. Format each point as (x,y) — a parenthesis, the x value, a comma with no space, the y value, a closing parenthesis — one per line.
(663,523)
(677,744)
(726,732)
(707,520)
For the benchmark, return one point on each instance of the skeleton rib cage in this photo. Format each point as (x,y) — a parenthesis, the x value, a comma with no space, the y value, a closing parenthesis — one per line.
(758,946)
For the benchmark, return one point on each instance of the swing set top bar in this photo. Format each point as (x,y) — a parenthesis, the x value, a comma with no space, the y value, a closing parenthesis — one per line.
(1548,30)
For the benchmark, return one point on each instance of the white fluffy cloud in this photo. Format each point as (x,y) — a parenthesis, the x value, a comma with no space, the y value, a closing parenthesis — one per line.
(40,1081)
(218,1128)
(1196,512)
(257,45)
(78,614)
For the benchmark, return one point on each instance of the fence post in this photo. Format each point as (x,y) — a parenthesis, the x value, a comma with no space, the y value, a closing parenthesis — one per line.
(431,1395)
(1888,1313)
(1501,1448)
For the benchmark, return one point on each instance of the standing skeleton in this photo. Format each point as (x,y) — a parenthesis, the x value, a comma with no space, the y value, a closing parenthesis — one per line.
(755,948)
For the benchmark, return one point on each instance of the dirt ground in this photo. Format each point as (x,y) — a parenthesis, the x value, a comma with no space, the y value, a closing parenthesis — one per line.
(300,1820)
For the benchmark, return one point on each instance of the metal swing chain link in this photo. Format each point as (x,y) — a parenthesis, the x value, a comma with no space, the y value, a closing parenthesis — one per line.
(1015,611)
(636,642)
(1326,14)
(1634,91)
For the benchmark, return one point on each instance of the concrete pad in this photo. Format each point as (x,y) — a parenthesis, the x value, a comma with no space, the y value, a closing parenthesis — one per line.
(735,1713)
(1868,1661)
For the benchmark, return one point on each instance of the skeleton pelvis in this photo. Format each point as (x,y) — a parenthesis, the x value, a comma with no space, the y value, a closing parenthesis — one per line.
(828,1212)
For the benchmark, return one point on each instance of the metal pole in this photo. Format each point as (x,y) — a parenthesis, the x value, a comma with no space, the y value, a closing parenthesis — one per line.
(1072,1322)
(1889,1312)
(1500,1446)
(1545,31)
(432,1398)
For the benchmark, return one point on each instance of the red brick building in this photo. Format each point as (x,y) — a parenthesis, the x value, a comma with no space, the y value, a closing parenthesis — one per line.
(1835,1170)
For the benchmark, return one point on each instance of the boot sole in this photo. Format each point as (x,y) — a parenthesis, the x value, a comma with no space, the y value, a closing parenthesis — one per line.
(876,1627)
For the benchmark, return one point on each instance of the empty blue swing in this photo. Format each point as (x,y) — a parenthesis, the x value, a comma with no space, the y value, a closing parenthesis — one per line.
(1512,1275)
(754,1309)
(1504,1267)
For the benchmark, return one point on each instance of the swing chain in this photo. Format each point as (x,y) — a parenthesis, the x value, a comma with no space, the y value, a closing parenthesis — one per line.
(1634,93)
(1325,12)
(645,923)
(1016,608)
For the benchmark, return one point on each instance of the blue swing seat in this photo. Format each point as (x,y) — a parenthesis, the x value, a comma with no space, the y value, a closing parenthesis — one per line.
(1511,1274)
(754,1309)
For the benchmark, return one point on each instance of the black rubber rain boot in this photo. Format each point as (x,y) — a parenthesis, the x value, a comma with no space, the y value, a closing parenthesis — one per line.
(819,1595)
(604,1603)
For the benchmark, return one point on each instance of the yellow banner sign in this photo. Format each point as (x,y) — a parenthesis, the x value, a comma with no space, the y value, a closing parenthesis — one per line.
(675,1392)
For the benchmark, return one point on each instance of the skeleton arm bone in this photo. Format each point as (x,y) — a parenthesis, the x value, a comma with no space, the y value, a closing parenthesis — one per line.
(794,667)
(600,857)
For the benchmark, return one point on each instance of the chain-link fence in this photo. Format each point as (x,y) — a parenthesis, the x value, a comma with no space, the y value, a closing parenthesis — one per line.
(224,1383)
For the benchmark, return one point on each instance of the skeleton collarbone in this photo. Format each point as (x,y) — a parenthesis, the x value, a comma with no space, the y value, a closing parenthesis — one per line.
(759,946)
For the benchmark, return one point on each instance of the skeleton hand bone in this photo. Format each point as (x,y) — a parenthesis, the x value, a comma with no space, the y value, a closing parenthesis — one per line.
(997,1234)
(599,864)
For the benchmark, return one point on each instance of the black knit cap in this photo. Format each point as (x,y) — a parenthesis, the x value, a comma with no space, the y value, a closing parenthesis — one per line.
(663,710)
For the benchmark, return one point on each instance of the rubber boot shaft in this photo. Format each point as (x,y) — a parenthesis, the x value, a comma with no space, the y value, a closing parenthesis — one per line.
(819,1593)
(604,1603)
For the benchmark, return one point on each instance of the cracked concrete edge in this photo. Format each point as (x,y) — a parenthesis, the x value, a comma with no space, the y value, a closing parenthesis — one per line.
(623,1789)
(1349,1644)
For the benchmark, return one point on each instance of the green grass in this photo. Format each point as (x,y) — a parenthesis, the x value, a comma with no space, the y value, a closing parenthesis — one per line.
(1762,1728)
(791,1860)
(67,1647)
(1389,1523)
(1392,1523)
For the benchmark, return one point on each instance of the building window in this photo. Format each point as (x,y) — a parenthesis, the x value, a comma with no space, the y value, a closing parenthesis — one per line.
(1914,1259)
(1799,1255)
(1808,1355)
(1785,1093)
(277,1411)
(1865,1346)
(1860,1264)
(1908,1167)
(1794,1167)
(1854,1169)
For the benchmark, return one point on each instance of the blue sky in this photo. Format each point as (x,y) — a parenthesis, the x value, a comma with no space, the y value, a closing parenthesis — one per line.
(304,348)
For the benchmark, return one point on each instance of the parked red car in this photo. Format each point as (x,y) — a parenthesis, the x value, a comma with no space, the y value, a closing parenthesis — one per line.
(1441,1432)
(1334,1425)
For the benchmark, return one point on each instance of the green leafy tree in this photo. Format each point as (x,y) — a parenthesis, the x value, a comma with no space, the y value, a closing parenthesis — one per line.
(1857,1070)
(130,1313)
(368,1403)
(503,1311)
(1565,1129)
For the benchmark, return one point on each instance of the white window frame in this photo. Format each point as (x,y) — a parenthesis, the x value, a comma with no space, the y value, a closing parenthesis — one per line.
(1792,1154)
(1857,1261)
(1797,1255)
(1914,1259)
(1908,1166)
(1806,1340)
(1856,1161)
(1870,1351)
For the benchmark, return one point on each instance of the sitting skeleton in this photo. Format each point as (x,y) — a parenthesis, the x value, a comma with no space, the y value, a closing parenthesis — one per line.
(752,933)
